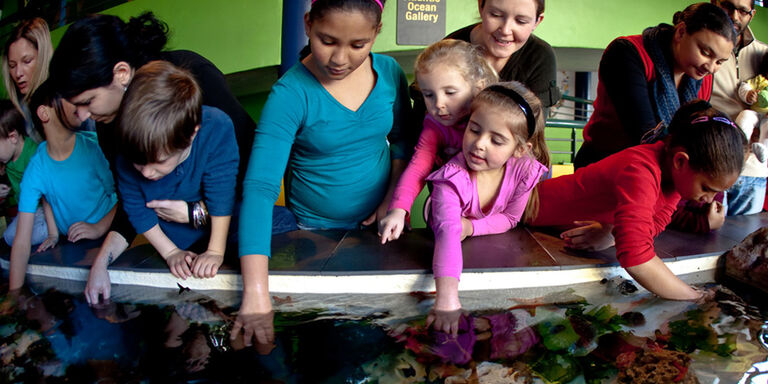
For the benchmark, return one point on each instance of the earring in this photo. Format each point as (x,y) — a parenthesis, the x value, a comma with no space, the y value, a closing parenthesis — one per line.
(125,88)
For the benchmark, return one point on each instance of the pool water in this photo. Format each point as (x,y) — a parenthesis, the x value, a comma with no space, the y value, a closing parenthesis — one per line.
(595,333)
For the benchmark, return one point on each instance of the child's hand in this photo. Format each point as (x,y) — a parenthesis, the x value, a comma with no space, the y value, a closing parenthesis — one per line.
(466,228)
(98,284)
(391,226)
(82,230)
(751,97)
(206,264)
(179,261)
(446,321)
(48,243)
(589,236)
(447,310)
(5,190)
(170,210)
(716,215)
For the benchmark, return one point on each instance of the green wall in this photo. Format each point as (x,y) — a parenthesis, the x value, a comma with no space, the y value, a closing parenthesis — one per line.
(240,35)
(569,23)
(236,35)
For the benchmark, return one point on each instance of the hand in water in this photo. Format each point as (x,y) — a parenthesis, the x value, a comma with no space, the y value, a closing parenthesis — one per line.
(258,326)
(444,320)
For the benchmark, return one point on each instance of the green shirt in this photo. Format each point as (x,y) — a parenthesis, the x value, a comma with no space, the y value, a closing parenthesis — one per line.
(15,168)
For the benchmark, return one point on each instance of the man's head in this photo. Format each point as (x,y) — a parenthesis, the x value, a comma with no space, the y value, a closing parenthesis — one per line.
(740,12)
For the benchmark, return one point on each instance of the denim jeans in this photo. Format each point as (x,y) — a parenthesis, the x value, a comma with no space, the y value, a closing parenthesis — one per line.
(746,196)
(283,220)
(39,229)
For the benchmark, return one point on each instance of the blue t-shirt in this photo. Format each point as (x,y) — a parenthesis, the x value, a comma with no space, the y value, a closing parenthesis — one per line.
(80,188)
(209,173)
(338,160)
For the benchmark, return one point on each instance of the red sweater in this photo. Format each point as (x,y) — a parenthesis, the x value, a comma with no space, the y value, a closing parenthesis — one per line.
(623,189)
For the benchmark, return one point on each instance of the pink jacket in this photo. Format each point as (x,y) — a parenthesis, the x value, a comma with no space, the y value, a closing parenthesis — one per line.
(455,196)
(436,145)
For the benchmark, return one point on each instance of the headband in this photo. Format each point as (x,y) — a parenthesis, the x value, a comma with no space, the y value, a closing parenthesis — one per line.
(517,98)
(375,1)
(724,120)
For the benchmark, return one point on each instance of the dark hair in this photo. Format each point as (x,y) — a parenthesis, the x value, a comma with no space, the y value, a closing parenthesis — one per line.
(159,112)
(47,96)
(706,16)
(539,6)
(92,46)
(321,7)
(10,119)
(490,96)
(716,146)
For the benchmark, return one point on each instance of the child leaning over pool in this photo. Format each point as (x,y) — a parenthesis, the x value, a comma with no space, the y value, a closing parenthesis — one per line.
(16,151)
(174,148)
(70,172)
(634,192)
(449,74)
(485,188)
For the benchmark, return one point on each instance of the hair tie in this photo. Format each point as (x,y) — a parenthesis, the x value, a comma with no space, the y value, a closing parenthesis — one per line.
(520,100)
(375,1)
(724,120)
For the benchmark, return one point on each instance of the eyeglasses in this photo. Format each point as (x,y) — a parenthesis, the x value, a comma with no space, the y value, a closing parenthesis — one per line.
(730,7)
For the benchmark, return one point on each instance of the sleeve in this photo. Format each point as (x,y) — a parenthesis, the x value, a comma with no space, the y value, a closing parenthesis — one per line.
(744,88)
(446,224)
(281,118)
(542,79)
(663,217)
(689,217)
(31,187)
(413,178)
(526,177)
(637,190)
(134,202)
(622,73)
(220,175)
(402,122)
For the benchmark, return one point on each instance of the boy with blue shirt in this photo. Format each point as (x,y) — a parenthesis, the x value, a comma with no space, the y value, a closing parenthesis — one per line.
(173,148)
(71,173)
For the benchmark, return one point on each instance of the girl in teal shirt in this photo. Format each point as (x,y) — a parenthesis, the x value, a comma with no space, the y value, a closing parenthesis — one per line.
(334,123)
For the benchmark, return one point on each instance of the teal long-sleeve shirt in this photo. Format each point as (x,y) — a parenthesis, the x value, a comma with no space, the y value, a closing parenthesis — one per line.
(336,161)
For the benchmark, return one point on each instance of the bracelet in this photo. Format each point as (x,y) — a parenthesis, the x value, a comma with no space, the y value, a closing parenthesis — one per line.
(190,212)
(199,215)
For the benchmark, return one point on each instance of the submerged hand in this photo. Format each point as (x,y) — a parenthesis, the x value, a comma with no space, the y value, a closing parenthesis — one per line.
(589,236)
(391,226)
(446,321)
(170,210)
(98,284)
(206,264)
(255,320)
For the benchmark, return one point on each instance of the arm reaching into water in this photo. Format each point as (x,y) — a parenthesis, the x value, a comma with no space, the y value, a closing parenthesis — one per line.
(255,316)
(657,278)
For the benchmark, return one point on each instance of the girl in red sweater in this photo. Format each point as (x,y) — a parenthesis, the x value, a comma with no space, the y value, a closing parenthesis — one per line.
(633,193)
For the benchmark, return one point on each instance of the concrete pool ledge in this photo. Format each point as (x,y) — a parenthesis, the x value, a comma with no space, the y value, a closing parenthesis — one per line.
(335,262)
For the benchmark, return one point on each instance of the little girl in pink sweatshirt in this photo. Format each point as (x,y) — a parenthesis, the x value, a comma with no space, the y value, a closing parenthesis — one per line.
(485,189)
(449,74)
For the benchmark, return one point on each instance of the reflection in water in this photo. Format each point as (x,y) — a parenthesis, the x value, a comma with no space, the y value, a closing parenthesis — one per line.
(560,338)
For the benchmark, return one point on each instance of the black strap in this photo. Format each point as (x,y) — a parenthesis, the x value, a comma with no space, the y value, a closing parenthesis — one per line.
(520,100)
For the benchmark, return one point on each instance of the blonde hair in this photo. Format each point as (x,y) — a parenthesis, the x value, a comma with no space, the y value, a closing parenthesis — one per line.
(462,56)
(36,32)
(519,127)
